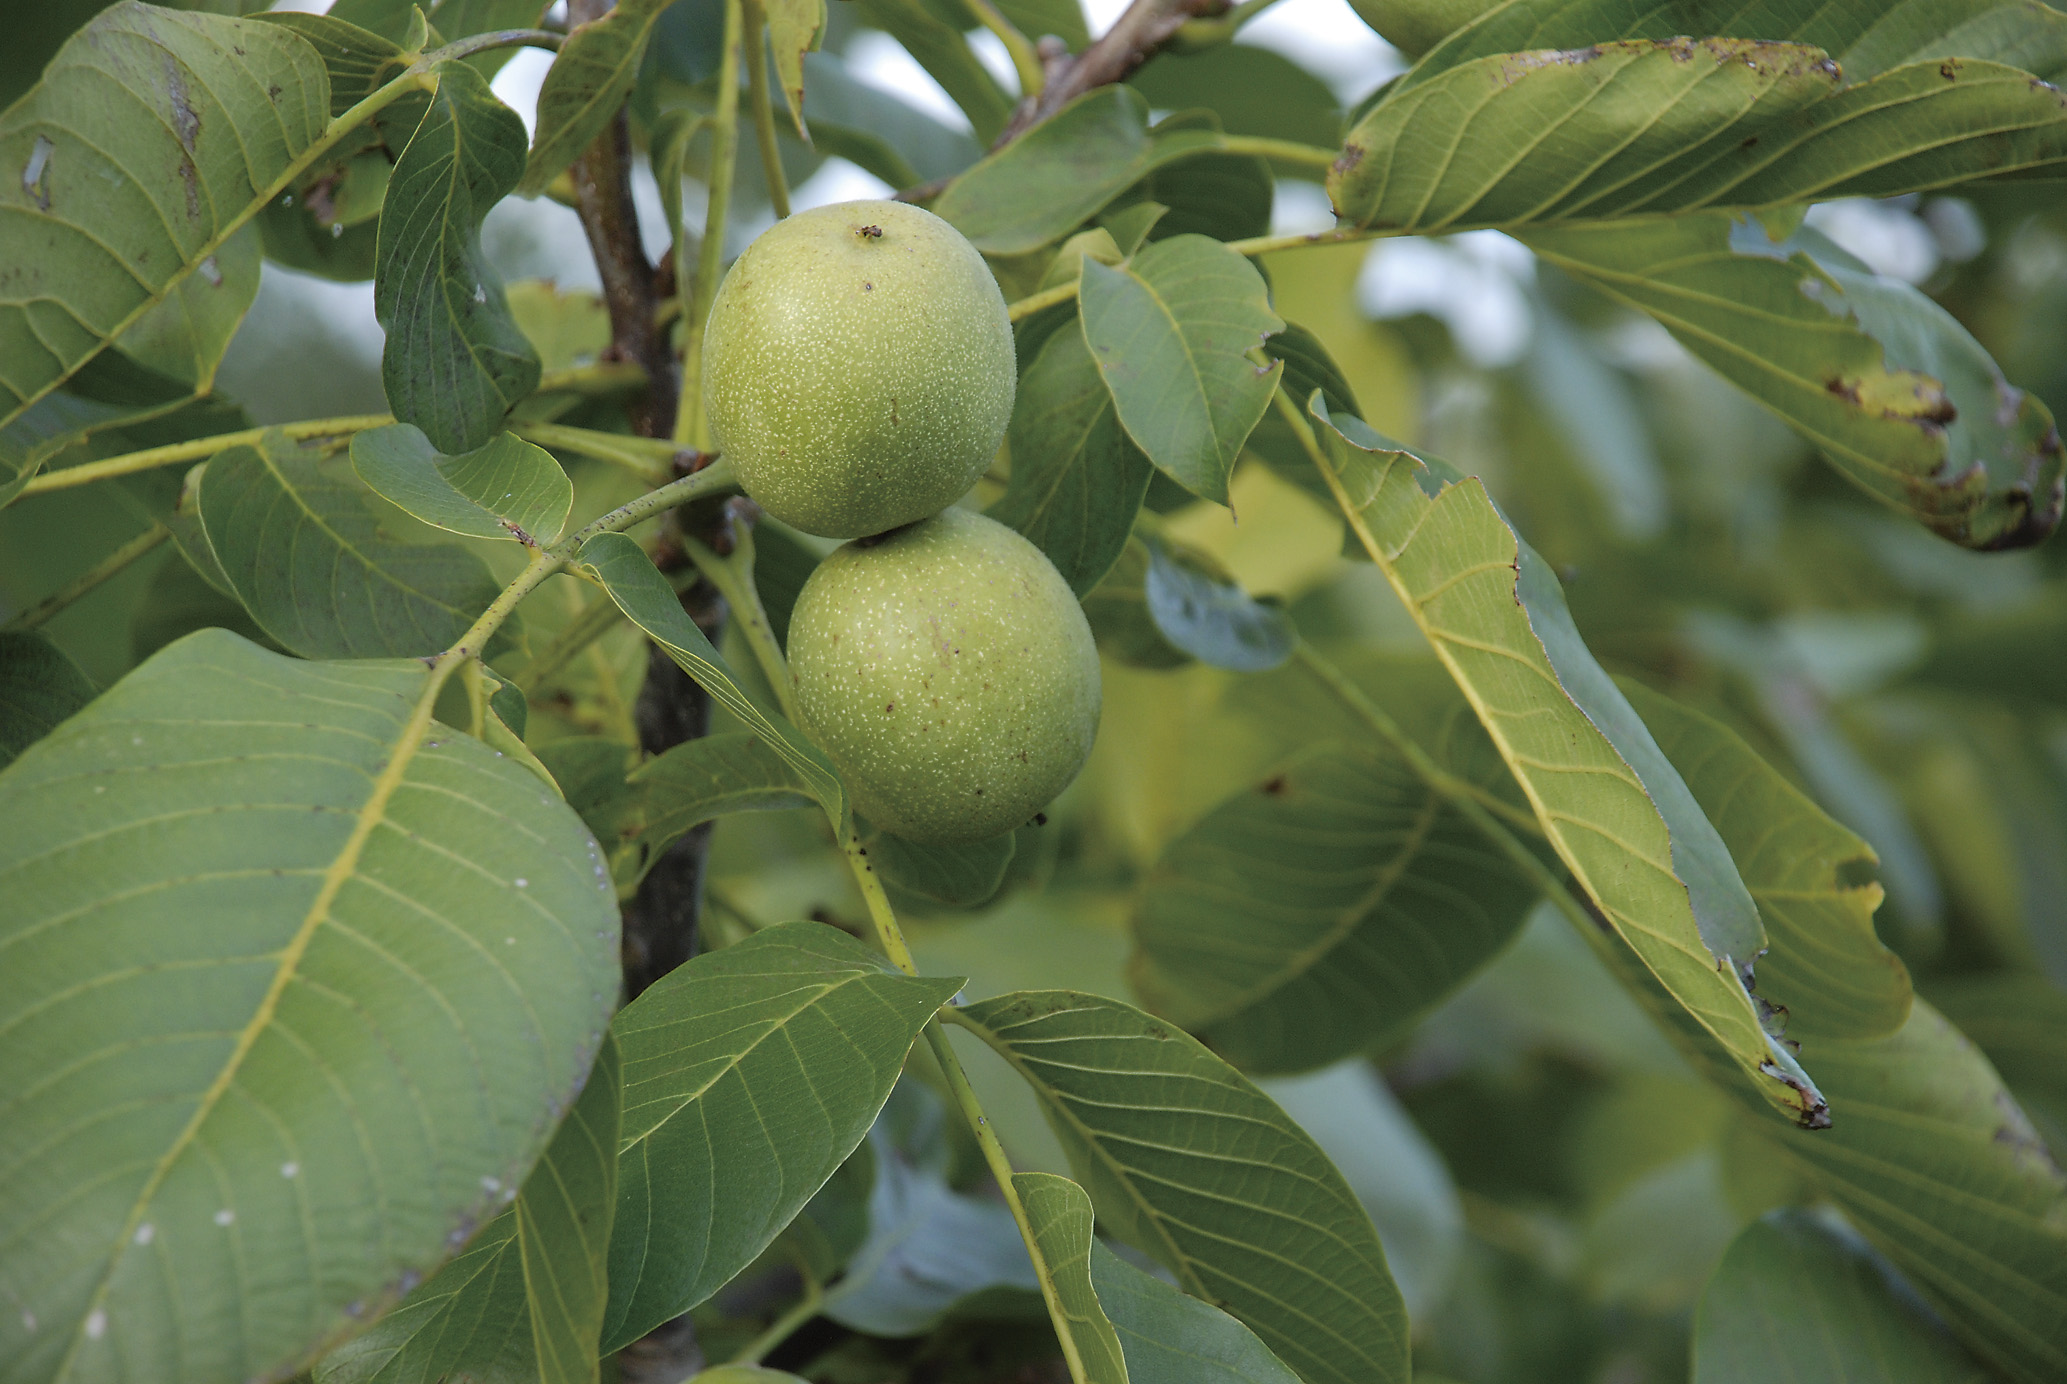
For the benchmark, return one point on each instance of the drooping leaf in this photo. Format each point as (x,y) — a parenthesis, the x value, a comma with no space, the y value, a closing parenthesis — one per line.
(749,1076)
(1172,332)
(586,86)
(506,488)
(639,590)
(1208,616)
(932,31)
(695,782)
(152,137)
(456,362)
(795,27)
(1796,1299)
(524,1304)
(306,557)
(1170,1337)
(1041,185)
(1059,1213)
(256,906)
(39,687)
(1188,1161)
(1077,478)
(1324,912)
(1826,967)
(1892,389)
(1614,809)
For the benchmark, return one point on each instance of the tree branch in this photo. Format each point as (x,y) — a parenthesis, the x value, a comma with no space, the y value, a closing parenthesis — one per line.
(1133,39)
(603,199)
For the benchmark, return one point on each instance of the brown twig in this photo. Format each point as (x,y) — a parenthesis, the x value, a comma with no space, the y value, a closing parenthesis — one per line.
(1133,39)
(603,198)
(660,924)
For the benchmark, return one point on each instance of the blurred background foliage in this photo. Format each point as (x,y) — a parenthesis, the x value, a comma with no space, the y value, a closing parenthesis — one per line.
(1553,1184)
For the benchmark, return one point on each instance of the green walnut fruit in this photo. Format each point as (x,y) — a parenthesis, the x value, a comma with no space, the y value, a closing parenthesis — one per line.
(859,368)
(948,671)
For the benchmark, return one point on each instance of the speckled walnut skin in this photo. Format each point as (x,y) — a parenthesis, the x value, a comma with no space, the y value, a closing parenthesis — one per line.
(859,368)
(949,673)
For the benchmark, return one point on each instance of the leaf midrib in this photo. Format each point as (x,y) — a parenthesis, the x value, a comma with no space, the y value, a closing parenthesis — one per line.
(340,871)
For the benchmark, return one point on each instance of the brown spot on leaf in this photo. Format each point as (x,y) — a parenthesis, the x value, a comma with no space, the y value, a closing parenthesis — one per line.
(1274,787)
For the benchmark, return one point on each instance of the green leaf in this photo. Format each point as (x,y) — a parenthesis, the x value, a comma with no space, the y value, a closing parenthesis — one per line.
(39,687)
(505,489)
(1929,1156)
(2020,1022)
(749,1076)
(1211,618)
(152,137)
(358,60)
(928,1249)
(306,557)
(1188,1161)
(183,338)
(879,131)
(1041,185)
(1253,91)
(959,876)
(256,906)
(585,87)
(932,32)
(1866,40)
(1037,19)
(1559,134)
(1796,1298)
(1172,332)
(456,362)
(1672,124)
(1117,609)
(1325,911)
(695,782)
(457,19)
(1059,1213)
(525,1302)
(639,590)
(795,27)
(1892,389)
(1614,809)
(1826,967)
(1169,1337)
(1077,478)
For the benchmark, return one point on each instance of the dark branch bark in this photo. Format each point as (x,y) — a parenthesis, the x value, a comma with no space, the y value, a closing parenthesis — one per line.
(603,197)
(660,924)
